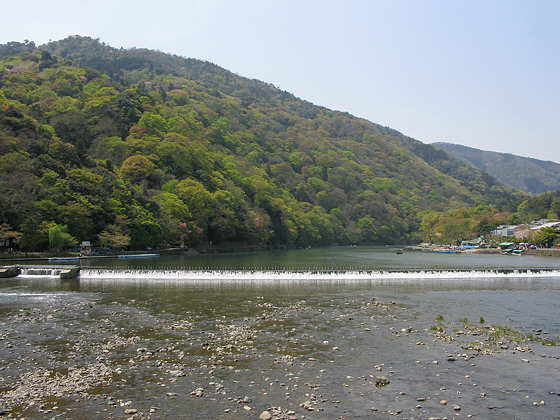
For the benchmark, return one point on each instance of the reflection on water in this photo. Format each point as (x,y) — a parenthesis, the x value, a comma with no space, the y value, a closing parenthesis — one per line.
(335,258)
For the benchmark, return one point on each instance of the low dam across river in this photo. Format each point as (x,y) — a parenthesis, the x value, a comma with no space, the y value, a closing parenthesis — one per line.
(64,272)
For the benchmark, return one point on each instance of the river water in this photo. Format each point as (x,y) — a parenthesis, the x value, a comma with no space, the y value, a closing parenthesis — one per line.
(298,333)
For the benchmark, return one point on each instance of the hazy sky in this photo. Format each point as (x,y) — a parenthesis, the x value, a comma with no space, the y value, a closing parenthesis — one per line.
(482,73)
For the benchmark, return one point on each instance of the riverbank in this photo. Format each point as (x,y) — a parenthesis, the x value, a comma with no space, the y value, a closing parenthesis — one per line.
(543,252)
(205,249)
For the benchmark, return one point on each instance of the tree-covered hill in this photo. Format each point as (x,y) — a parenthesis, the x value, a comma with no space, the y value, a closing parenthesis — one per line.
(137,148)
(526,174)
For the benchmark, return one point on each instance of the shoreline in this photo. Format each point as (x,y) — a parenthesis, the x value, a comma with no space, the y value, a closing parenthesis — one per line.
(543,252)
(208,249)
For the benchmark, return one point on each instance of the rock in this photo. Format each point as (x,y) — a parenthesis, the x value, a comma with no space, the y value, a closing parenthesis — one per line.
(443,402)
(456,407)
(382,380)
(130,411)
(198,392)
(307,405)
(176,373)
(265,415)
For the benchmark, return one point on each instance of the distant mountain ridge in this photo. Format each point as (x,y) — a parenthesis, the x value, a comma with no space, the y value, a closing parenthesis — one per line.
(526,174)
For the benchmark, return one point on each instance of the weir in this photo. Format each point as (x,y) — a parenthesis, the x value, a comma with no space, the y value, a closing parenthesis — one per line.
(51,271)
(248,275)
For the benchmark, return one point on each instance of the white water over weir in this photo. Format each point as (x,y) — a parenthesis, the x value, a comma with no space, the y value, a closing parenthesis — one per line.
(249,275)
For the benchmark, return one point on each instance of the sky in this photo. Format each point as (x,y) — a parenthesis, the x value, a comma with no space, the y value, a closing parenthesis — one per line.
(481,73)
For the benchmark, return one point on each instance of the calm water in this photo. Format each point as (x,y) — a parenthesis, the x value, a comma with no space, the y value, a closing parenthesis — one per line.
(369,258)
(238,326)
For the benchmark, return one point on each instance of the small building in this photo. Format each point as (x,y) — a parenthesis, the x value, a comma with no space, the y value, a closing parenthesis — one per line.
(86,248)
(554,225)
(504,230)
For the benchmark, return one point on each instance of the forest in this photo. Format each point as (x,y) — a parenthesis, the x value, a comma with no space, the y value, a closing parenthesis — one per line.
(133,148)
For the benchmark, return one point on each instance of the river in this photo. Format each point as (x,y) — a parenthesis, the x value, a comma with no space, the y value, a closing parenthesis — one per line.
(310,333)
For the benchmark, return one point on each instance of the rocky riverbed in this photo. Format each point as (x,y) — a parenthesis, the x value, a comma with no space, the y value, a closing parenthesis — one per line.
(263,355)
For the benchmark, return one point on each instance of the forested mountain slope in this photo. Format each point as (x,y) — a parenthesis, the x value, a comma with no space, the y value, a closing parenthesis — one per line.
(526,174)
(136,148)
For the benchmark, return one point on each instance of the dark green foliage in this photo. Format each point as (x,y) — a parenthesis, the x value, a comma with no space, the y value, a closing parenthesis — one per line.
(540,206)
(140,148)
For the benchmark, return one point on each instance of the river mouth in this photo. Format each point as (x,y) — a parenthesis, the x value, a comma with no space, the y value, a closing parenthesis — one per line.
(147,347)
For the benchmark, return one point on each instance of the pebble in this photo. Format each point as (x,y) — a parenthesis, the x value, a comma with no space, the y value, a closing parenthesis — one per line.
(198,392)
(307,405)
(265,415)
(382,380)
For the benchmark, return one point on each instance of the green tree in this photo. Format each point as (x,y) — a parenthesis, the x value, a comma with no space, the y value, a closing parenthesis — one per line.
(484,227)
(368,230)
(136,168)
(154,124)
(33,238)
(546,236)
(116,235)
(8,235)
(198,200)
(59,237)
(145,231)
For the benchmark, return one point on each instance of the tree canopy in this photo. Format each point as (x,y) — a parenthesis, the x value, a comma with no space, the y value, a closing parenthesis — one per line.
(136,148)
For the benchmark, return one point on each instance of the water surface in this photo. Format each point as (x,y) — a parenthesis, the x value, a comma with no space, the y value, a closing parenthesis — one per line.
(229,336)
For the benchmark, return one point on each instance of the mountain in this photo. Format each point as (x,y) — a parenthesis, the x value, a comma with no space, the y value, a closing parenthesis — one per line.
(526,174)
(137,148)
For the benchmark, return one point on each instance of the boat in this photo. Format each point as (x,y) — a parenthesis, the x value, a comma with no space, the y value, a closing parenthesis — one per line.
(64,258)
(510,251)
(399,251)
(137,255)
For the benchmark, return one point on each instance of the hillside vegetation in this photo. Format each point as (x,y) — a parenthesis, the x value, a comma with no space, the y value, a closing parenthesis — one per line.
(526,174)
(136,148)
